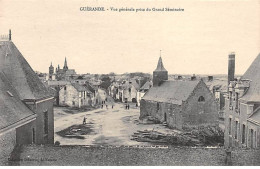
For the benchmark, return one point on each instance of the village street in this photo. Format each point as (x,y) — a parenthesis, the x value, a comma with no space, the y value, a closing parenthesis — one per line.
(108,126)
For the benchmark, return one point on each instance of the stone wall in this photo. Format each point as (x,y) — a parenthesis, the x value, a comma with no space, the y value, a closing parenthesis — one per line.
(138,156)
(7,144)
(69,96)
(197,113)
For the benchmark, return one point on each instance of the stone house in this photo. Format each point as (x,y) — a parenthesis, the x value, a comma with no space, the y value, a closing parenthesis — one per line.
(141,92)
(26,107)
(127,91)
(242,103)
(113,90)
(179,104)
(76,95)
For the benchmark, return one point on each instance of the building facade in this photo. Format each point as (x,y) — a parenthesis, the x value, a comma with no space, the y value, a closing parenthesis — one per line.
(242,103)
(76,95)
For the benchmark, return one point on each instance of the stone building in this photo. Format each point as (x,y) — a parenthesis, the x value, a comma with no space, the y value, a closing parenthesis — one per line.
(242,115)
(127,92)
(76,95)
(26,107)
(179,103)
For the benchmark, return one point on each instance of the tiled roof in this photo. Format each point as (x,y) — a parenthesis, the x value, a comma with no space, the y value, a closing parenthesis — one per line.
(253,74)
(12,109)
(20,74)
(171,91)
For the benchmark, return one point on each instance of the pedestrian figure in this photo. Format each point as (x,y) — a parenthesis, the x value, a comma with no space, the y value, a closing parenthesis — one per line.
(112,106)
(136,105)
(126,106)
(106,105)
(102,106)
(84,120)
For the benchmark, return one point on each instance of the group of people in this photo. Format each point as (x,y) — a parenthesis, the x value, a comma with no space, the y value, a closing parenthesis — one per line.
(106,106)
(127,106)
(103,104)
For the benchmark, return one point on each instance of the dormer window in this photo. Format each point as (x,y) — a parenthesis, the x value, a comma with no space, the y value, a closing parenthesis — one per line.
(201,99)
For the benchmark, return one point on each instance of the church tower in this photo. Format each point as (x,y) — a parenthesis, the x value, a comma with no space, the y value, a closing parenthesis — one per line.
(65,67)
(51,70)
(159,74)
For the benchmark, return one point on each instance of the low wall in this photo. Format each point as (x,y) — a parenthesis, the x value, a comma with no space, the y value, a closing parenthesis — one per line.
(111,155)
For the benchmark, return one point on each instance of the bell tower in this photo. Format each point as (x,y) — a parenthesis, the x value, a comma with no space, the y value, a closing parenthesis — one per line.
(160,73)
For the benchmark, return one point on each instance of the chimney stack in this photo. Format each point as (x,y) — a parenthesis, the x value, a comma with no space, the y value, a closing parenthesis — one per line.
(10,35)
(231,67)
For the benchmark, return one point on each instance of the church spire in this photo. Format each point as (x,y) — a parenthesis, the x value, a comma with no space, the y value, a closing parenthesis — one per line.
(65,67)
(160,66)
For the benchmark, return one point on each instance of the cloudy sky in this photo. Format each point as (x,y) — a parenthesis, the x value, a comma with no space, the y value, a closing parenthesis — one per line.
(197,40)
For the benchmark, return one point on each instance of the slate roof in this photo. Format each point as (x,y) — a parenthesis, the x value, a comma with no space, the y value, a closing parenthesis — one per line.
(147,85)
(171,91)
(12,109)
(129,84)
(253,74)
(160,66)
(80,88)
(89,87)
(20,73)
(255,116)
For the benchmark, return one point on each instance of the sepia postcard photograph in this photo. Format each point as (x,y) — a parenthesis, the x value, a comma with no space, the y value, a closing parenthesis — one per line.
(130,83)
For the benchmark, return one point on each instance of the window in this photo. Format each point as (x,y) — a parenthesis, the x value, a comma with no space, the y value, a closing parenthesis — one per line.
(236,100)
(230,98)
(243,134)
(65,88)
(88,94)
(236,129)
(158,106)
(201,99)
(33,135)
(129,90)
(73,103)
(229,126)
(46,122)
(252,138)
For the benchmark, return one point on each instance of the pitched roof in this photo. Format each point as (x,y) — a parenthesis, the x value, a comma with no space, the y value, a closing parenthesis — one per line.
(20,74)
(147,85)
(255,116)
(89,87)
(171,91)
(160,66)
(80,88)
(253,74)
(12,109)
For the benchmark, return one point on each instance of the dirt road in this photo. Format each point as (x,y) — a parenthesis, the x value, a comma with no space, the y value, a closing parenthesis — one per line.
(110,126)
